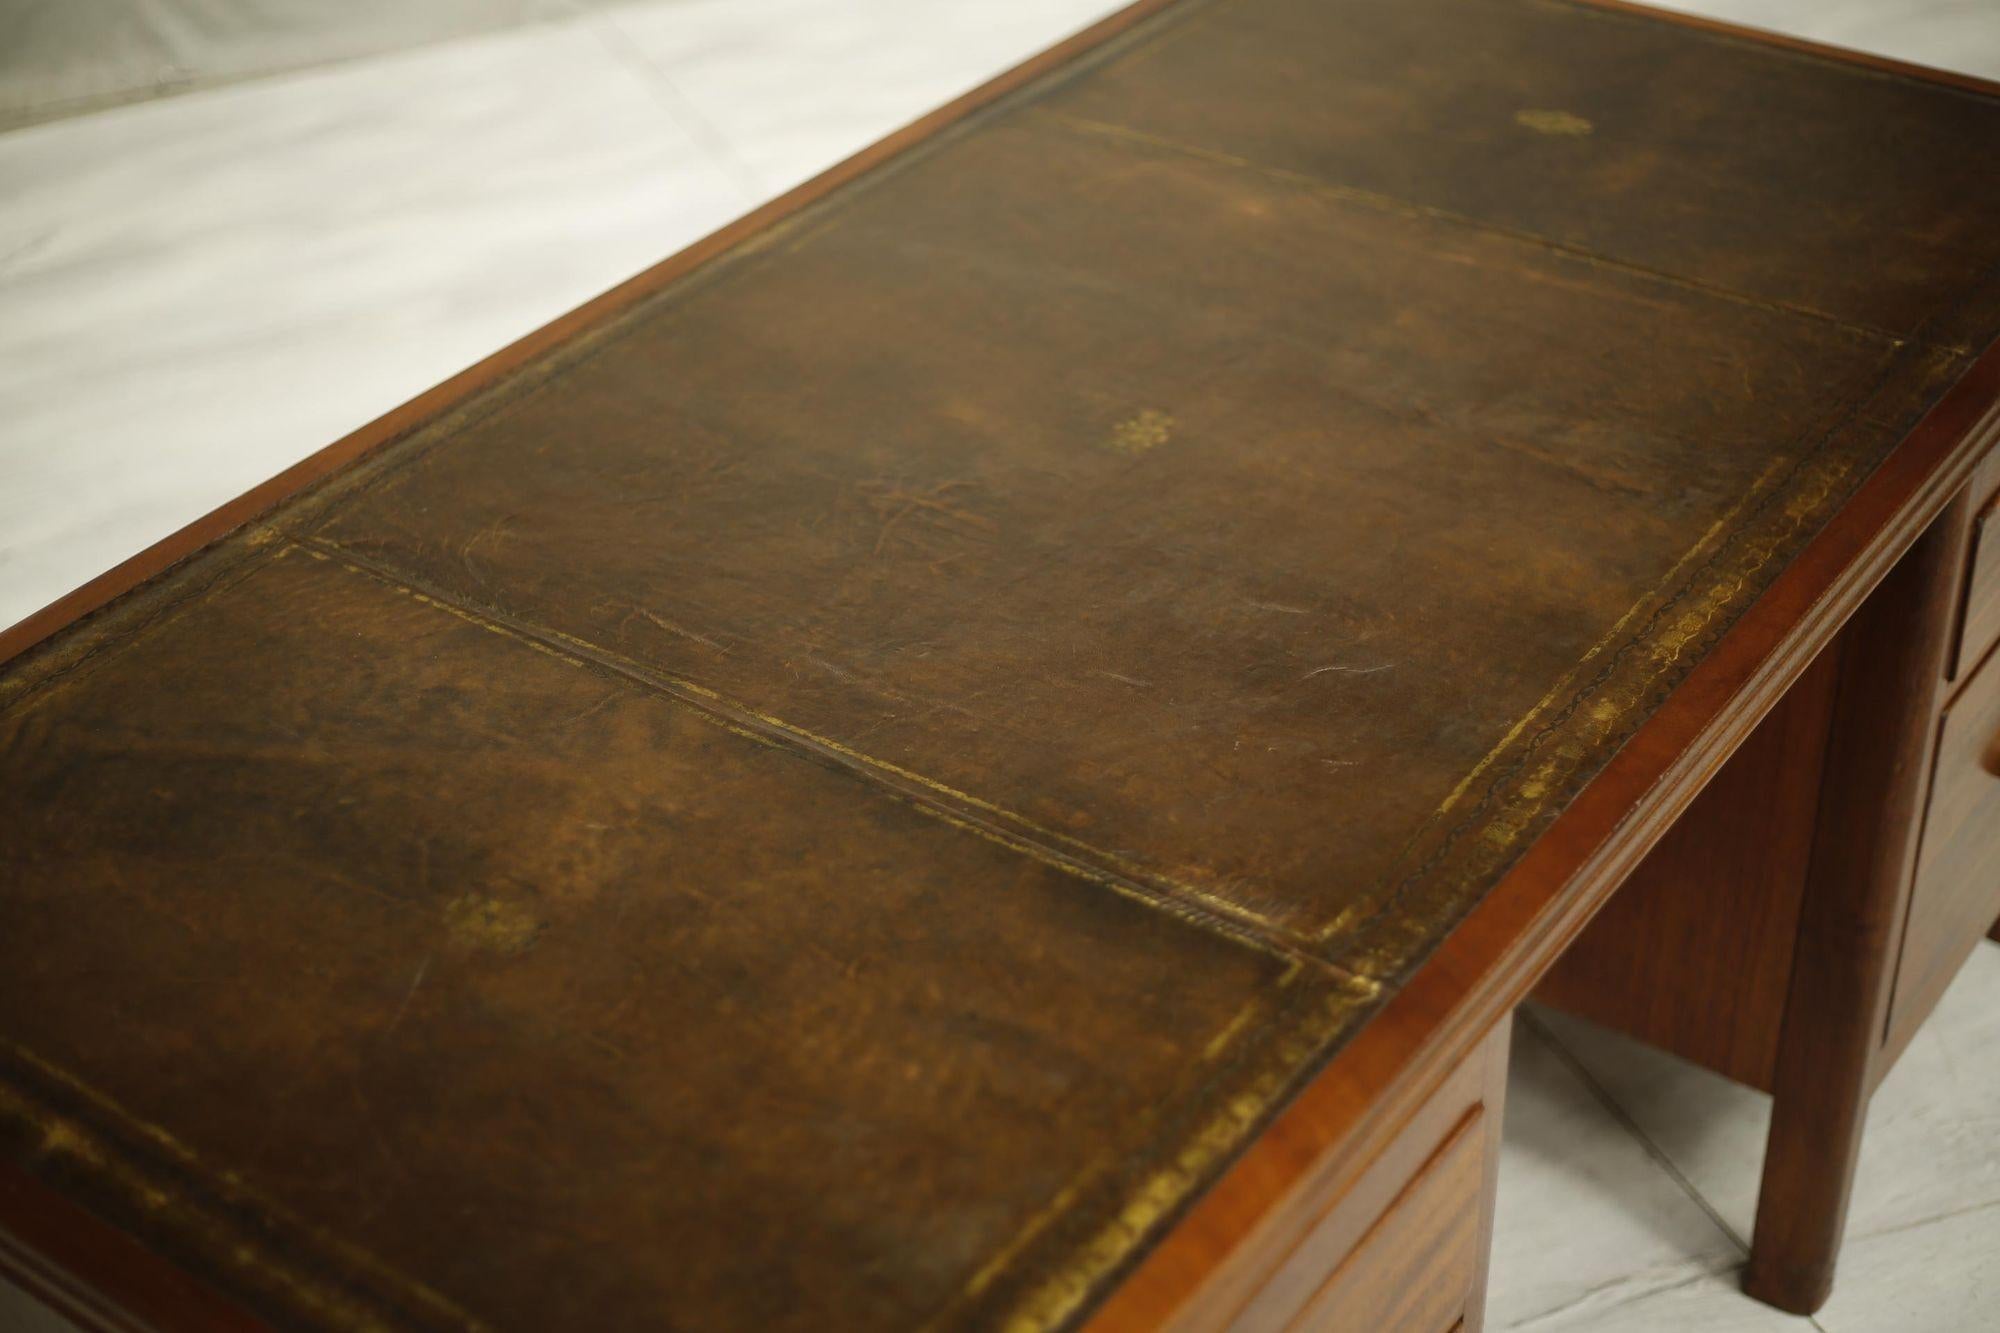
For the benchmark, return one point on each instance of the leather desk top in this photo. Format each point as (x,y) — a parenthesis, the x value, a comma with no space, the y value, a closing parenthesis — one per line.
(839,794)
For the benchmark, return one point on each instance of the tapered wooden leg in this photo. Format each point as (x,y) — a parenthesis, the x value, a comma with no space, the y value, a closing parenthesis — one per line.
(1891,663)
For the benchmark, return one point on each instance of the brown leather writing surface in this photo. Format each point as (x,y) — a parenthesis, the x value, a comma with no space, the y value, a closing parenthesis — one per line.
(841,794)
(1709,159)
(1209,561)
(485,986)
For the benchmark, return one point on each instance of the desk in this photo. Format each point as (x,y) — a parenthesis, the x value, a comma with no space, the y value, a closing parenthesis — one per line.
(991,746)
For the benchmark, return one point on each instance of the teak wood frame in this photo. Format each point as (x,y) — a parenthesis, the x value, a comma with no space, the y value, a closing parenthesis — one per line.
(1864,844)
(1437,1024)
(1770,933)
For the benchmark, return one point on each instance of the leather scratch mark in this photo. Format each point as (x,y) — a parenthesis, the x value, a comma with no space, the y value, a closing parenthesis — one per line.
(679,631)
(924,520)
(494,534)
(410,994)
(1542,120)
(1346,670)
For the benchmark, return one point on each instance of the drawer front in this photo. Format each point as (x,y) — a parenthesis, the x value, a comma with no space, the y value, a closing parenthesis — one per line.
(1402,1247)
(1956,897)
(1980,626)
(1414,1270)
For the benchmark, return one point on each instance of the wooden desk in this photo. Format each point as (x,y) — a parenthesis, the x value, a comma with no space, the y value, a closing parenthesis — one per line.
(992,746)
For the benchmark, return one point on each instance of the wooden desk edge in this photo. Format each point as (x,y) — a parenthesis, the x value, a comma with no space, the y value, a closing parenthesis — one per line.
(96,1276)
(102,1279)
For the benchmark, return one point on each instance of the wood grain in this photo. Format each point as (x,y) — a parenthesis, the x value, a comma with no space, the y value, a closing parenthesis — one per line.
(1980,627)
(1956,894)
(1413,1272)
(1694,951)
(1891,669)
(1311,1199)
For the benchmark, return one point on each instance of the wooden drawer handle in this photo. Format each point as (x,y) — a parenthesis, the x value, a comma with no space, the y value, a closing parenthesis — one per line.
(1990,758)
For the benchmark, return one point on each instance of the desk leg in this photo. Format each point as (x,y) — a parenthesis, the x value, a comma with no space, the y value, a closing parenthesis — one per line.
(1890,665)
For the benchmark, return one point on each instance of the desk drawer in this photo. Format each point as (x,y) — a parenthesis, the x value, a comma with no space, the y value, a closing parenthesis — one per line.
(1957,893)
(1981,623)
(1416,1268)
(1398,1248)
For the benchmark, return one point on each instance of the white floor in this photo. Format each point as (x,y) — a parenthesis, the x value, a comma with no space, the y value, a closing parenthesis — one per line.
(1629,1185)
(233,230)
